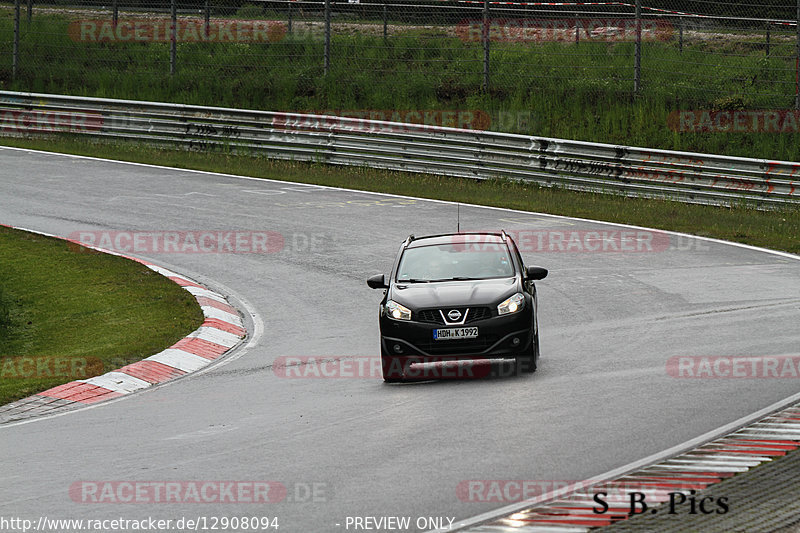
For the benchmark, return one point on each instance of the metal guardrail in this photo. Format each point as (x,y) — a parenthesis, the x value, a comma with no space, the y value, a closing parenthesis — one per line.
(642,172)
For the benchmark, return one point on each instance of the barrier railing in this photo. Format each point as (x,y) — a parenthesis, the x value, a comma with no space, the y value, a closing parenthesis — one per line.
(682,176)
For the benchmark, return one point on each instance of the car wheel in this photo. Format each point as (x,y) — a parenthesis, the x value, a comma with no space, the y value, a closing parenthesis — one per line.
(392,367)
(527,362)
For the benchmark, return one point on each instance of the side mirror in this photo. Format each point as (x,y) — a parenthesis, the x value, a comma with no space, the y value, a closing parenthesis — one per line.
(534,272)
(378,282)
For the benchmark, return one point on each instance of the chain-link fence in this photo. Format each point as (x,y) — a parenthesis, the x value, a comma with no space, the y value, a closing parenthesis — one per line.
(438,54)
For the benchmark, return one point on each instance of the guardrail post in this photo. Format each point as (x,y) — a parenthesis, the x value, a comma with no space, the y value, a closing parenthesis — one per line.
(327,51)
(15,51)
(173,39)
(637,61)
(486,45)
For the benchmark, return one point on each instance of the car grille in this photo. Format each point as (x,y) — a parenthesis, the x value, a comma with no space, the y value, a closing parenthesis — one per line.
(433,316)
(466,346)
(478,313)
(430,316)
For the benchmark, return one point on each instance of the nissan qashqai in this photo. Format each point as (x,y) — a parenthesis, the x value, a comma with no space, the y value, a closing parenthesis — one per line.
(462,296)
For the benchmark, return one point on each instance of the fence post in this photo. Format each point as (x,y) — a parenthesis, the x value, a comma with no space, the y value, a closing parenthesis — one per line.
(30,10)
(15,52)
(486,45)
(797,60)
(767,54)
(577,30)
(207,19)
(114,14)
(637,61)
(328,35)
(680,34)
(173,39)
(290,17)
(385,21)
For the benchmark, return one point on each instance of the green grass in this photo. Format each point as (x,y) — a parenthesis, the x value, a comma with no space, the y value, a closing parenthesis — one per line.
(777,229)
(71,314)
(5,316)
(558,90)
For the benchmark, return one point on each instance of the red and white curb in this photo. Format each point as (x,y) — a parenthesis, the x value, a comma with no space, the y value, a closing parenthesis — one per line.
(221,331)
(770,438)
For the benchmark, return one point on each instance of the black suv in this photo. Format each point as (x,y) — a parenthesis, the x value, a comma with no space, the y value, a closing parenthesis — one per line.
(458,296)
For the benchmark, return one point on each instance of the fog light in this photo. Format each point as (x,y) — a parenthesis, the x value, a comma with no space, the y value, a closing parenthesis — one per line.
(398,348)
(515,341)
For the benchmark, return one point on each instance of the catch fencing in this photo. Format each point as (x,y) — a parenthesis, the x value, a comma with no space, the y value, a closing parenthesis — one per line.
(687,177)
(736,54)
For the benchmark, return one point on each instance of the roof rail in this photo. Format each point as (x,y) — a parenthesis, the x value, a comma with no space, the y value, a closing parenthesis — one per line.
(459,233)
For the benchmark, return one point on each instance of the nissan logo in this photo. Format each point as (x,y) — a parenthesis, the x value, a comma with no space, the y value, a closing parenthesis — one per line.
(454,315)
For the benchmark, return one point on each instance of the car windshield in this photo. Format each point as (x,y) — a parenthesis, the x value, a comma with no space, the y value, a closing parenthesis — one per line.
(446,262)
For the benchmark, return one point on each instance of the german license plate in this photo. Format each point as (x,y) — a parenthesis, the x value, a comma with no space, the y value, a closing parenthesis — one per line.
(454,334)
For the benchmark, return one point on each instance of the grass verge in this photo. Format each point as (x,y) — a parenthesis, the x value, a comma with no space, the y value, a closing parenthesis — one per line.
(67,314)
(5,315)
(777,229)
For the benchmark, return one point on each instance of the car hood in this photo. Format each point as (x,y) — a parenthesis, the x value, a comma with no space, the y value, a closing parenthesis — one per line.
(454,293)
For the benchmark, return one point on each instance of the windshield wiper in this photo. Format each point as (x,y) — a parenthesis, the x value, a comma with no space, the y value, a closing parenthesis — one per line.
(457,278)
(412,280)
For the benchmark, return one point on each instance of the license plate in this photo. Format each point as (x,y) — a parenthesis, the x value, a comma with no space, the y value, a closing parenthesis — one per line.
(454,334)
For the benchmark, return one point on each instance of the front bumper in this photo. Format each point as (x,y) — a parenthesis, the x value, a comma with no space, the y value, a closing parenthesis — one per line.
(499,337)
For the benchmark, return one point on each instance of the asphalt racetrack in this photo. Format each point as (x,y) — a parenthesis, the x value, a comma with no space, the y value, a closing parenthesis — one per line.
(342,447)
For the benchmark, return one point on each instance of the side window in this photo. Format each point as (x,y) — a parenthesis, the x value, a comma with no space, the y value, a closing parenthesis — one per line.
(518,256)
(529,286)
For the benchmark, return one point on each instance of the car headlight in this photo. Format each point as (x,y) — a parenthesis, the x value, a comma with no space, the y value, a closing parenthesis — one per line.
(397,311)
(512,304)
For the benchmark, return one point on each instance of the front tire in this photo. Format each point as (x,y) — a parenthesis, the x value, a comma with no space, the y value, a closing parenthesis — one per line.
(528,362)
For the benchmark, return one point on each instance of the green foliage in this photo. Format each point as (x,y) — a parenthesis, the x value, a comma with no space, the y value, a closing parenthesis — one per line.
(5,316)
(729,103)
(250,11)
